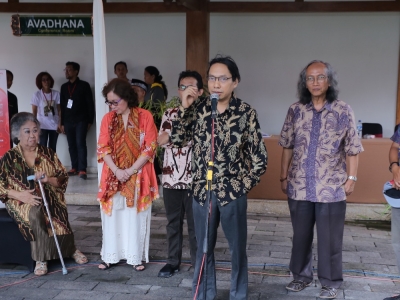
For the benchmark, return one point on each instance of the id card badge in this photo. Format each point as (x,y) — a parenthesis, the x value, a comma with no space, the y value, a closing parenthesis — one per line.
(70,102)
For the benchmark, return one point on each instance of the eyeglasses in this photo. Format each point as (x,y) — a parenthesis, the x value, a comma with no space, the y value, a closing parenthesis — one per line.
(113,103)
(183,87)
(221,79)
(320,79)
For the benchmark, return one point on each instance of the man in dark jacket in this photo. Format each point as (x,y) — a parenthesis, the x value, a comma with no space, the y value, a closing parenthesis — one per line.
(12,100)
(77,115)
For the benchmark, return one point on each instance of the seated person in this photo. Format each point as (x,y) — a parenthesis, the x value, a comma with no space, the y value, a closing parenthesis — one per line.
(22,196)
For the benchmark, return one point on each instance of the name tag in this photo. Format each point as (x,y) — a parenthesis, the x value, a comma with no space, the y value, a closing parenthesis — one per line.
(70,102)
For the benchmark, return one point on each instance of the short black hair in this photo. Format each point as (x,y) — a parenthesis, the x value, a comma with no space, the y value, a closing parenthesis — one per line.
(8,72)
(74,65)
(120,63)
(227,61)
(194,74)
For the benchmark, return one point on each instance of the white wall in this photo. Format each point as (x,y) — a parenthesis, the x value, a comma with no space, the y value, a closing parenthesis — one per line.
(272,49)
(140,40)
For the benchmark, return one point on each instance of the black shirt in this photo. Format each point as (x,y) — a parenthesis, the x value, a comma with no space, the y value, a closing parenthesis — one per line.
(82,102)
(12,104)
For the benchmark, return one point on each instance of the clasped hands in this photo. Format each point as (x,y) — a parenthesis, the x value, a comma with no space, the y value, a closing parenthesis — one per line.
(123,174)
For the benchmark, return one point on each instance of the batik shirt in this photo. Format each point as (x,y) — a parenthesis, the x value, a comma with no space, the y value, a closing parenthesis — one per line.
(240,156)
(177,164)
(320,141)
(14,172)
(396,138)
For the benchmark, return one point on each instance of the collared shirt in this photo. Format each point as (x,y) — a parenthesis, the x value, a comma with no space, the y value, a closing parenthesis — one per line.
(240,156)
(320,141)
(396,138)
(82,108)
(177,164)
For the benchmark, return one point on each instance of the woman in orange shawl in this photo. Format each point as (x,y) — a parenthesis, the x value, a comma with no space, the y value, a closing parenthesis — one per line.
(127,144)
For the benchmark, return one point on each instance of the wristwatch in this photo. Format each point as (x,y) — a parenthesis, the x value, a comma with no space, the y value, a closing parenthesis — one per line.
(354,178)
(134,172)
(393,163)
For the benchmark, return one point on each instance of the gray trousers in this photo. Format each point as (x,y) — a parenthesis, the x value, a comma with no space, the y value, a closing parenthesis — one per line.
(396,233)
(233,218)
(329,218)
(177,203)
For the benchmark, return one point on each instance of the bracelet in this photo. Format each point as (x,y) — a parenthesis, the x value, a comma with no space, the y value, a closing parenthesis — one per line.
(283,179)
(391,164)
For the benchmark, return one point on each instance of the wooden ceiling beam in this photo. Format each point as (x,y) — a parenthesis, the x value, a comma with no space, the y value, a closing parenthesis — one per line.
(14,6)
(296,7)
(109,7)
(191,4)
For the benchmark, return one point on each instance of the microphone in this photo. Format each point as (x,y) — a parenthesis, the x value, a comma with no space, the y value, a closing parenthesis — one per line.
(214,101)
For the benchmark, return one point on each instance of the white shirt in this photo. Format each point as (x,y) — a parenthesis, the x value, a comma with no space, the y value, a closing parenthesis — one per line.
(48,120)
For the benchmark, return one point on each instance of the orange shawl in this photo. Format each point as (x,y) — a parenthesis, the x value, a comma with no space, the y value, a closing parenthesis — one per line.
(125,147)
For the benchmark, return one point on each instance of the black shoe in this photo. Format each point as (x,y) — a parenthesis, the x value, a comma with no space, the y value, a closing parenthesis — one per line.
(82,175)
(393,298)
(168,270)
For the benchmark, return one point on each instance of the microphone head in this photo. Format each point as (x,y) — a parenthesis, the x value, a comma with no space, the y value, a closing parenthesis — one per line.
(214,97)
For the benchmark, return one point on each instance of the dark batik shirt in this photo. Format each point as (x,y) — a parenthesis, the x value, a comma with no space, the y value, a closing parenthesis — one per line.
(320,141)
(240,155)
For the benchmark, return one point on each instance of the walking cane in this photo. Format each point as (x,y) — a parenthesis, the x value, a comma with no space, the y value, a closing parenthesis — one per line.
(32,177)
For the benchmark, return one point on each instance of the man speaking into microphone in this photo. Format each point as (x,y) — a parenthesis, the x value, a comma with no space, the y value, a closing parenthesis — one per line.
(228,158)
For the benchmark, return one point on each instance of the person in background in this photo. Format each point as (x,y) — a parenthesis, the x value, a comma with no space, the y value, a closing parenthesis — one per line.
(121,69)
(157,88)
(176,180)
(128,185)
(12,100)
(318,134)
(77,116)
(22,196)
(156,94)
(394,156)
(46,108)
(140,87)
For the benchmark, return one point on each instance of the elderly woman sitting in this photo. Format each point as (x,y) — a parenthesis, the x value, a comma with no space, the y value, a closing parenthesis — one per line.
(22,196)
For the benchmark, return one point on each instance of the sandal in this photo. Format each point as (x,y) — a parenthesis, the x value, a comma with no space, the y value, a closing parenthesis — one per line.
(328,292)
(139,268)
(41,268)
(105,265)
(79,258)
(297,285)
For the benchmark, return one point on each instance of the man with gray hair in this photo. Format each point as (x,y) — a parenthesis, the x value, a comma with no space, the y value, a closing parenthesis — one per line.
(318,134)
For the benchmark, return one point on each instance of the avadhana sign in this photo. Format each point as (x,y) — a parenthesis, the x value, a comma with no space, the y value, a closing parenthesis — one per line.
(51,25)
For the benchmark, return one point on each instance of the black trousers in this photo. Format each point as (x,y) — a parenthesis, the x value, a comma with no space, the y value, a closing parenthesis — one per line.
(76,137)
(329,218)
(233,217)
(176,203)
(48,138)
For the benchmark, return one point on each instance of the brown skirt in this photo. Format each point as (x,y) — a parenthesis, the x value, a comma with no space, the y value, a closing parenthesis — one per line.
(44,247)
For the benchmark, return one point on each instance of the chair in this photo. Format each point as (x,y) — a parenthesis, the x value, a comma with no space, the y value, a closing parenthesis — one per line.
(14,248)
(372,128)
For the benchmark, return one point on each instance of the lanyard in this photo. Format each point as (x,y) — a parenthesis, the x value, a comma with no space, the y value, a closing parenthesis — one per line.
(69,91)
(51,98)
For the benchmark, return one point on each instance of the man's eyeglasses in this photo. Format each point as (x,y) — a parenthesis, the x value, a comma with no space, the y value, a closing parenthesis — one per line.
(320,79)
(113,103)
(183,87)
(221,79)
